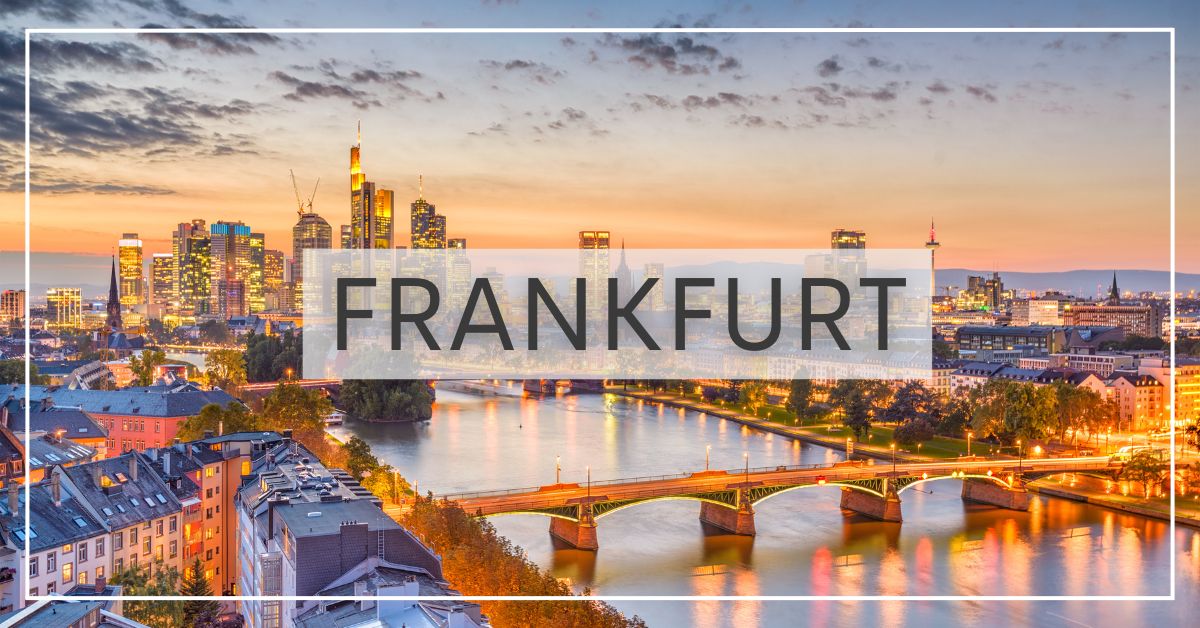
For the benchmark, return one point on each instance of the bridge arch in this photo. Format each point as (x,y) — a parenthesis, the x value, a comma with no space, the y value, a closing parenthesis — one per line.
(692,498)
(540,513)
(963,476)
(826,485)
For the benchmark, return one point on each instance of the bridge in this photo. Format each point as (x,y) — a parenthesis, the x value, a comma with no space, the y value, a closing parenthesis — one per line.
(728,498)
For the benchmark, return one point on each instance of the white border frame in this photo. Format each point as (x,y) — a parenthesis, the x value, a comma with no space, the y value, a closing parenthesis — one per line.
(29,32)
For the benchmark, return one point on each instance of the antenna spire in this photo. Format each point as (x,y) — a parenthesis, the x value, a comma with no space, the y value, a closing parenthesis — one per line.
(421,187)
(359,144)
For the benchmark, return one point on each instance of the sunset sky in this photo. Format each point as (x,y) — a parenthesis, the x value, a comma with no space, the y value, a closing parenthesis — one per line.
(1033,152)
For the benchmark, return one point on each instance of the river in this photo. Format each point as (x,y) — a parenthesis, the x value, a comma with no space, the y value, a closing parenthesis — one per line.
(805,544)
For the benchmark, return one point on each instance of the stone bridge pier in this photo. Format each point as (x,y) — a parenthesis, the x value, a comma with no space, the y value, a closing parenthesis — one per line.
(988,492)
(886,508)
(738,520)
(579,534)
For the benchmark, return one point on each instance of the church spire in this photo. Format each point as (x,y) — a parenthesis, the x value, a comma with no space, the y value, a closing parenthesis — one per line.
(1114,295)
(113,321)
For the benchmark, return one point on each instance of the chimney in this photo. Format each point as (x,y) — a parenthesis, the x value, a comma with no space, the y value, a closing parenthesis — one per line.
(13,504)
(365,602)
(101,584)
(133,465)
(56,487)
(166,458)
(456,617)
(96,474)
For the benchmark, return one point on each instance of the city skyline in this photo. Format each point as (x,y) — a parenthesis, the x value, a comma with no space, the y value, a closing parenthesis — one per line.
(843,99)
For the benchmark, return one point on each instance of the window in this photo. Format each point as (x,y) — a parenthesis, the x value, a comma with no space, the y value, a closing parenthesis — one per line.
(146,546)
(245,467)
(118,541)
(68,572)
(174,549)
(208,513)
(33,592)
(158,553)
(81,553)
(158,531)
(133,536)
(208,555)
(51,588)
(83,577)
(208,472)
(100,572)
(174,524)
(51,562)
(118,565)
(208,493)
(33,566)
(99,548)
(133,561)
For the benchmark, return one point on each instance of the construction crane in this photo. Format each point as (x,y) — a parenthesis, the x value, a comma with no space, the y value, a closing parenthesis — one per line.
(300,204)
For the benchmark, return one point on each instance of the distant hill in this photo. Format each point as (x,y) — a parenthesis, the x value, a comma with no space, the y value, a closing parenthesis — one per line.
(1078,282)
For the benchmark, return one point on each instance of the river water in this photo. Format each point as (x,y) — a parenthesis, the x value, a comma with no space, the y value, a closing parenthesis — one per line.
(805,544)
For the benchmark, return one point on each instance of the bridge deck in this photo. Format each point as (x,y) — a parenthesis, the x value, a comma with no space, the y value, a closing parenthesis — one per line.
(515,500)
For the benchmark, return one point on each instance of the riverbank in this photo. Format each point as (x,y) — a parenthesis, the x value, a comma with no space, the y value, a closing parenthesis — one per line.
(1186,512)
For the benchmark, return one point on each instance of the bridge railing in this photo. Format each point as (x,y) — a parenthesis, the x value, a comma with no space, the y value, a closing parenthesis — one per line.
(832,473)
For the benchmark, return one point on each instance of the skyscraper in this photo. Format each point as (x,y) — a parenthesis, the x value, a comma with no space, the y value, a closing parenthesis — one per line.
(12,308)
(255,302)
(132,270)
(456,243)
(428,226)
(848,239)
(656,297)
(161,279)
(64,308)
(594,267)
(273,263)
(230,268)
(371,210)
(345,236)
(191,250)
(310,232)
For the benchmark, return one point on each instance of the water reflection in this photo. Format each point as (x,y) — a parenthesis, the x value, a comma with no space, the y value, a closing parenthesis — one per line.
(806,545)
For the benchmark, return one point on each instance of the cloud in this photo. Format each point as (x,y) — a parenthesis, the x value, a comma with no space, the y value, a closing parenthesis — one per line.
(829,67)
(981,92)
(877,63)
(572,118)
(52,55)
(938,87)
(217,44)
(681,54)
(536,71)
(303,90)
(53,10)
(881,94)
(825,96)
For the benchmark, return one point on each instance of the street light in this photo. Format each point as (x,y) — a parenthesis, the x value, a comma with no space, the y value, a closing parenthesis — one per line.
(557,470)
(746,458)
(893,458)
(1020,456)
(707,451)
(969,435)
(589,483)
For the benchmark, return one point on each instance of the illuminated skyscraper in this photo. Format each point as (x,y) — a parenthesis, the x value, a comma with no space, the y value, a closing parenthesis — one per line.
(255,302)
(162,269)
(428,226)
(345,236)
(371,210)
(191,250)
(231,265)
(848,239)
(132,270)
(595,268)
(656,297)
(456,243)
(273,263)
(64,308)
(12,308)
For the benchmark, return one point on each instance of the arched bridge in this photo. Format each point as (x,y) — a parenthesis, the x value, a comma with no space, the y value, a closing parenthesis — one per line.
(728,498)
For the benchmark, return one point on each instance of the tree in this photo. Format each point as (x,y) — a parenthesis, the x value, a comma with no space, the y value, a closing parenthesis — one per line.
(1009,411)
(914,430)
(215,332)
(913,400)
(143,366)
(226,369)
(954,417)
(942,350)
(387,400)
(753,395)
(195,584)
(270,358)
(1146,468)
(857,416)
(13,372)
(800,397)
(218,419)
(292,407)
(137,580)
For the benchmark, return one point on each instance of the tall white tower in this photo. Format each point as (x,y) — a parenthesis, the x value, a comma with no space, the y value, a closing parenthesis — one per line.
(932,245)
